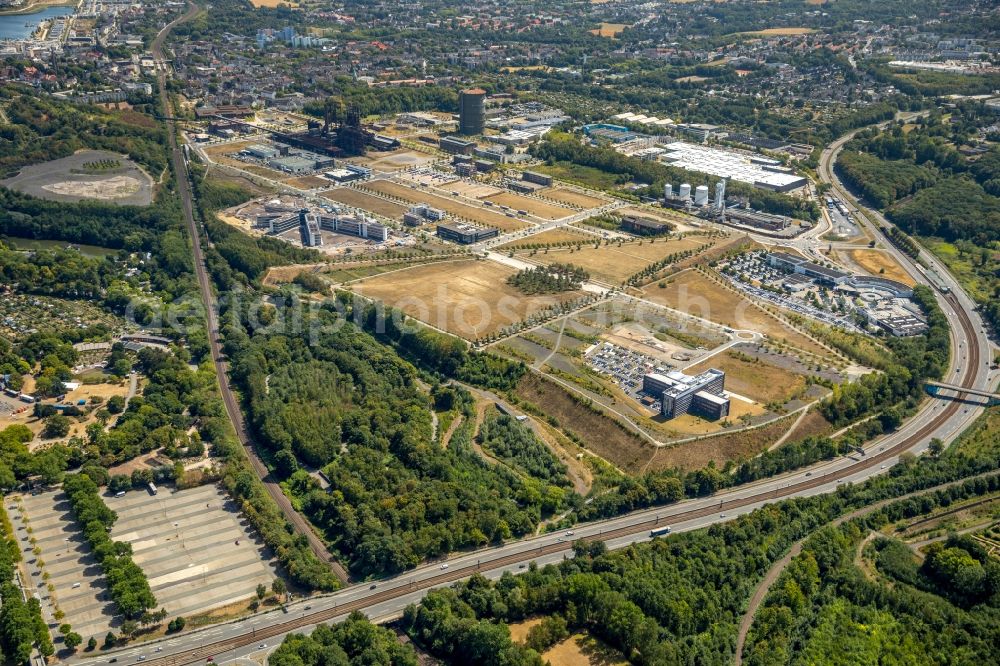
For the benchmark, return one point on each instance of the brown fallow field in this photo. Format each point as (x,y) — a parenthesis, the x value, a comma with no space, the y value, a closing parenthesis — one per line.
(368,202)
(613,264)
(572,197)
(470,298)
(472,213)
(695,294)
(535,207)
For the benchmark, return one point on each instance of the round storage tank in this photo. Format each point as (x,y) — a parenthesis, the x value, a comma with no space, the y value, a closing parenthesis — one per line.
(701,195)
(685,191)
(668,191)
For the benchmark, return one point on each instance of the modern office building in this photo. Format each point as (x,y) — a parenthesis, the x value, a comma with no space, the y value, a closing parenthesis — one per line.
(455,145)
(791,263)
(472,111)
(309,227)
(644,226)
(465,233)
(702,395)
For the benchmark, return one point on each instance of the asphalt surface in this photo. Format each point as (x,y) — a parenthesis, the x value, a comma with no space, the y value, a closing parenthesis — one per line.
(235,641)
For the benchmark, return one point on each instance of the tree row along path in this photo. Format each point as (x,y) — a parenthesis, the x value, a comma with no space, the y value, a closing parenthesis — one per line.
(778,567)
(212,325)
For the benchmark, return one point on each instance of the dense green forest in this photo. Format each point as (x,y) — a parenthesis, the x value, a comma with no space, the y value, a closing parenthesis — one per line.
(353,642)
(679,599)
(21,623)
(560,147)
(923,182)
(549,279)
(43,129)
(945,609)
(331,397)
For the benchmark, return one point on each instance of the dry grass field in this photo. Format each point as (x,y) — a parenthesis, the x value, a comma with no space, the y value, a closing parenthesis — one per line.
(812,424)
(554,236)
(695,294)
(600,434)
(583,650)
(471,190)
(458,209)
(572,197)
(689,425)
(880,264)
(720,448)
(307,182)
(467,298)
(614,264)
(535,207)
(758,381)
(372,204)
(609,29)
(778,32)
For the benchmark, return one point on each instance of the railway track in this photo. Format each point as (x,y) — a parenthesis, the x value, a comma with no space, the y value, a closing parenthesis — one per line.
(212,324)
(202,653)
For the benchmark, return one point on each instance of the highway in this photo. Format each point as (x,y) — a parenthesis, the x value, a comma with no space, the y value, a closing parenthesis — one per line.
(233,410)
(239,640)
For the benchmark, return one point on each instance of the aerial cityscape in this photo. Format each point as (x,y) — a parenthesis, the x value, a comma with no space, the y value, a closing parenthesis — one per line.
(585,332)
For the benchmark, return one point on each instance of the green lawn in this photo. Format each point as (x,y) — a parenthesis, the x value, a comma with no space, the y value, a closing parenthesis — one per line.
(581,175)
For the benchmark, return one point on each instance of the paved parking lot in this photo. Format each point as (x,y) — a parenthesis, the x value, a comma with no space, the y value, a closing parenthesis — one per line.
(68,562)
(186,542)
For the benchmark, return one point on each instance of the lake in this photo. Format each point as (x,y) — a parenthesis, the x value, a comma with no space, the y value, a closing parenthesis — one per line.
(12,26)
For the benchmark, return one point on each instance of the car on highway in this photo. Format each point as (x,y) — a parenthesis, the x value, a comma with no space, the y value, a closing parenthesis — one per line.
(444,566)
(262,646)
(373,586)
(570,533)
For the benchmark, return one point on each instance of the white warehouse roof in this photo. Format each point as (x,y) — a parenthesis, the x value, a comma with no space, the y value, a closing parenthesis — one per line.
(727,164)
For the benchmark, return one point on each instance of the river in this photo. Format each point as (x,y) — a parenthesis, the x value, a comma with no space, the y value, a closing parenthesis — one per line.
(21,26)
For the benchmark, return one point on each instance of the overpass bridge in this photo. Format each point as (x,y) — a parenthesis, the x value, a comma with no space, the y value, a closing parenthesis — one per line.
(944,390)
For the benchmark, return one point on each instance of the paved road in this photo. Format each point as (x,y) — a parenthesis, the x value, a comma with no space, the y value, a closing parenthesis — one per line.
(212,324)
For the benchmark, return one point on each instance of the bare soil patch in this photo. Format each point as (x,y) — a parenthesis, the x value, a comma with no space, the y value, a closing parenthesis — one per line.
(117,179)
(880,264)
(307,182)
(580,649)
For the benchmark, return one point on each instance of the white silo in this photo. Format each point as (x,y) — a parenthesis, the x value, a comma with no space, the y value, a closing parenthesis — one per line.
(685,191)
(720,195)
(701,195)
(668,191)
